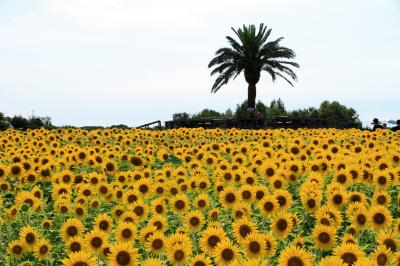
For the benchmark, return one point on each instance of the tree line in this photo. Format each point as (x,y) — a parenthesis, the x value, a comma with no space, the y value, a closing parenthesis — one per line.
(20,122)
(335,114)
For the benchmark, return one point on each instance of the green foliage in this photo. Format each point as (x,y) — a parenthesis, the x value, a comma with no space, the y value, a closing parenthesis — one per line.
(241,110)
(208,113)
(338,115)
(180,116)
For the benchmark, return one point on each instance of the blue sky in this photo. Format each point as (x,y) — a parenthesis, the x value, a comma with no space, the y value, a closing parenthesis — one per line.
(104,62)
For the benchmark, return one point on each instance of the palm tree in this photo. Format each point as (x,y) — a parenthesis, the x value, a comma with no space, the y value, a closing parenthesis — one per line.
(252,54)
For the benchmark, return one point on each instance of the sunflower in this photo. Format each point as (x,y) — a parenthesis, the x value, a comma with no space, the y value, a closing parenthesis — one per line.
(75,244)
(382,256)
(210,238)
(242,228)
(155,243)
(110,166)
(284,199)
(246,193)
(16,248)
(254,245)
(103,222)
(80,258)
(332,261)
(228,197)
(269,205)
(349,253)
(178,254)
(42,249)
(201,202)
(381,198)
(16,170)
(46,224)
(95,240)
(158,221)
(324,237)
(153,262)
(333,213)
(180,203)
(200,260)
(195,220)
(379,217)
(277,182)
(29,237)
(226,252)
(382,179)
(144,187)
(158,206)
(282,224)
(389,239)
(295,256)
(125,232)
(122,254)
(268,169)
(71,228)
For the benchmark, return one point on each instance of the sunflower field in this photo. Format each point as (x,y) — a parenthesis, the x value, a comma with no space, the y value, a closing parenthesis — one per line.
(199,197)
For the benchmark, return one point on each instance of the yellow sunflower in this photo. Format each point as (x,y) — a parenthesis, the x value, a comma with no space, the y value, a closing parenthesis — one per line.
(123,254)
(295,256)
(80,258)
(226,253)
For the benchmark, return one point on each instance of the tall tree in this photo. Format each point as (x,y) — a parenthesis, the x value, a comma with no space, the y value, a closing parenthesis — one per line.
(252,54)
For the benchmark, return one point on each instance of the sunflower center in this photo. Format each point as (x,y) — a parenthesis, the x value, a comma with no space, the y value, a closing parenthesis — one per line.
(144,188)
(132,198)
(72,231)
(254,247)
(30,238)
(337,199)
(159,209)
(80,263)
(381,200)
(199,263)
(179,255)
(43,249)
(270,172)
(324,237)
(379,218)
(201,203)
(227,254)
(75,246)
(17,249)
(349,258)
(295,261)
(311,203)
(127,233)
(246,194)
(361,219)
(104,225)
(382,259)
(281,200)
(158,224)
(260,194)
(157,243)
(230,197)
(244,230)
(268,206)
(138,210)
(355,198)
(213,241)
(194,221)
(382,180)
(96,242)
(118,212)
(123,258)
(390,244)
(180,204)
(282,225)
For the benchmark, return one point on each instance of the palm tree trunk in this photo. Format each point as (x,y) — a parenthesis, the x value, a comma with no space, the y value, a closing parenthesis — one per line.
(251,95)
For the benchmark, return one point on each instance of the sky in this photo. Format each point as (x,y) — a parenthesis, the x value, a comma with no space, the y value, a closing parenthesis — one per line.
(107,62)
